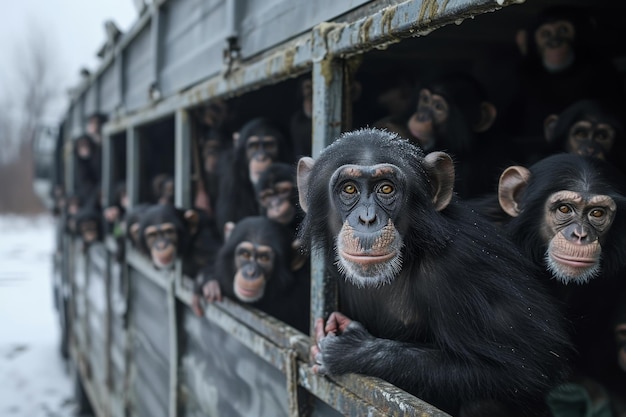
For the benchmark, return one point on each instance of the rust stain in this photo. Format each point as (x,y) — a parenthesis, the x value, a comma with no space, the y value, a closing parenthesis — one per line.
(364,30)
(387,19)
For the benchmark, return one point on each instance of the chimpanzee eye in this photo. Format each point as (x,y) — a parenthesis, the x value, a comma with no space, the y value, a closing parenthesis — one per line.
(386,189)
(349,188)
(264,257)
(564,209)
(580,133)
(245,255)
(597,213)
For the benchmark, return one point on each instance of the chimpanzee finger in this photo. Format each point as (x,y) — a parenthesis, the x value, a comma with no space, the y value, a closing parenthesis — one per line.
(196,305)
(337,323)
(212,291)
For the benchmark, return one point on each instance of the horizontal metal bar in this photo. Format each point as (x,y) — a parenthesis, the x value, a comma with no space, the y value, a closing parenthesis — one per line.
(287,61)
(408,19)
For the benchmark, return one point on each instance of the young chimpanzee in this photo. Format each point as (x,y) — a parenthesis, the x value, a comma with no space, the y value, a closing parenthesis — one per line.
(165,232)
(255,265)
(89,225)
(452,114)
(277,195)
(588,128)
(568,214)
(432,298)
(88,166)
(260,144)
(163,189)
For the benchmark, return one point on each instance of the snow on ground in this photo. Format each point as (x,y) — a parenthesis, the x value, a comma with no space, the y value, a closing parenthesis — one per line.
(33,375)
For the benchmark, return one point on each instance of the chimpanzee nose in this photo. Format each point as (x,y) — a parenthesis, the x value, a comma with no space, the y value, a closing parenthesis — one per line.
(580,233)
(367,216)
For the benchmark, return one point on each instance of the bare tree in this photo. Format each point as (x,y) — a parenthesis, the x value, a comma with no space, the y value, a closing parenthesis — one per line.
(33,86)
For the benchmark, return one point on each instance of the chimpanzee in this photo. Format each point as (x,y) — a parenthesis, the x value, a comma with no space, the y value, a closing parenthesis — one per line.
(439,303)
(255,265)
(213,144)
(588,128)
(277,195)
(452,114)
(260,144)
(88,166)
(165,232)
(563,61)
(115,213)
(89,225)
(163,189)
(301,124)
(132,222)
(568,214)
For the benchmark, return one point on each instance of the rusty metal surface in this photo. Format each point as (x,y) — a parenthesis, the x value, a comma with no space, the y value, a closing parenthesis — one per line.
(222,377)
(150,351)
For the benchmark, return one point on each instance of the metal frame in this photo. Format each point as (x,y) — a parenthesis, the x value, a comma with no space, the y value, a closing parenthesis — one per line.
(324,52)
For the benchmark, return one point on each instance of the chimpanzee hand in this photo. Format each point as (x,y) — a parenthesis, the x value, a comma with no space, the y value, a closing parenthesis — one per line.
(336,342)
(212,291)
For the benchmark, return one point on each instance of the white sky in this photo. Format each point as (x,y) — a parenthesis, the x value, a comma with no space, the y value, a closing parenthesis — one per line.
(74,28)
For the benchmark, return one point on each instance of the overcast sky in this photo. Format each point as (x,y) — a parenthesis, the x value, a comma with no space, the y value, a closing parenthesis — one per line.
(73,28)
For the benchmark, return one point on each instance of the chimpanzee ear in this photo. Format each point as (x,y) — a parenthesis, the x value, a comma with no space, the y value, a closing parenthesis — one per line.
(488,113)
(133,230)
(521,40)
(440,169)
(298,256)
(193,220)
(548,127)
(512,182)
(228,229)
(305,166)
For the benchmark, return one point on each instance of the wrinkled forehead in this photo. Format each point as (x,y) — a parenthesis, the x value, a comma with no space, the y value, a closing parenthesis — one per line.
(376,171)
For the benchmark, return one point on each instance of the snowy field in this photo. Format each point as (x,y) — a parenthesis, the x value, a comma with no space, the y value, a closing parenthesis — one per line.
(35,382)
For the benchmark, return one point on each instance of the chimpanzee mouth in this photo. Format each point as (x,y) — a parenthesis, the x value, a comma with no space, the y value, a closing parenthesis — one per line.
(574,262)
(368,259)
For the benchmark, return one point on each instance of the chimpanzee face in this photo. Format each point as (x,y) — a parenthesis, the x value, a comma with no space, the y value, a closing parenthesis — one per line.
(555,43)
(590,138)
(261,151)
(162,241)
(277,203)
(254,264)
(429,119)
(89,231)
(368,199)
(83,150)
(575,227)
(210,155)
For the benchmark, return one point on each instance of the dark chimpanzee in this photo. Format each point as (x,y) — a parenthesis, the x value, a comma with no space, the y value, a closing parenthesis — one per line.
(277,195)
(163,189)
(88,165)
(587,128)
(255,265)
(439,303)
(165,232)
(301,124)
(260,144)
(452,111)
(89,225)
(568,214)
